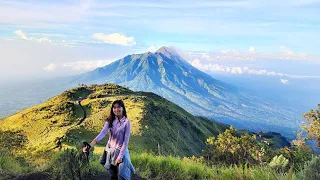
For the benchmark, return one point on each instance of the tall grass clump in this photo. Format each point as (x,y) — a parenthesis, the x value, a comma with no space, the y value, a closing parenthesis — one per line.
(311,170)
(167,167)
(160,167)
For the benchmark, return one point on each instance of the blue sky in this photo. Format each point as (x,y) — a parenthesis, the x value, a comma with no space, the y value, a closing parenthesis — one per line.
(54,38)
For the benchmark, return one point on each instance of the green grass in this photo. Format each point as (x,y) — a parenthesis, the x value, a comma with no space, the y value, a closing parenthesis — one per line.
(148,166)
(167,167)
(12,166)
(160,167)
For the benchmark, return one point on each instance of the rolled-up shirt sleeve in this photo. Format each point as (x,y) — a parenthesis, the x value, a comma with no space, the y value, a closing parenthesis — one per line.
(126,140)
(103,132)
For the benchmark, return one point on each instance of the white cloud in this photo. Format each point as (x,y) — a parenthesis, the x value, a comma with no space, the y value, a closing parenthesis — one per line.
(284,81)
(114,38)
(78,66)
(152,48)
(63,43)
(48,35)
(236,70)
(87,65)
(50,67)
(233,55)
(252,50)
(216,68)
(44,40)
(21,34)
(196,63)
(205,56)
(287,53)
(251,55)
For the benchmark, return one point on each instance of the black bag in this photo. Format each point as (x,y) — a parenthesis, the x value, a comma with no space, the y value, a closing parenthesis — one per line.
(103,158)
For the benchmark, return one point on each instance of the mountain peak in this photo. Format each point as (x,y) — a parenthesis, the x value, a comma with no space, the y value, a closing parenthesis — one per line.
(168,51)
(163,49)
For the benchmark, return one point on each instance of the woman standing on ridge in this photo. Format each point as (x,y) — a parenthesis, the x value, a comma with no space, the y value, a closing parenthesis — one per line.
(116,158)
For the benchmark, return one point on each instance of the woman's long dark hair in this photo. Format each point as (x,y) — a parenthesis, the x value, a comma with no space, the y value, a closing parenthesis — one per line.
(112,116)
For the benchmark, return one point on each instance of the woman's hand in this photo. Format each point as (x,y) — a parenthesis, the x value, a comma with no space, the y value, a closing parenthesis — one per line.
(87,146)
(85,149)
(118,161)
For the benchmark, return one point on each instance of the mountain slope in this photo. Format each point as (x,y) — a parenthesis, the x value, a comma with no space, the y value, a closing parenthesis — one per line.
(170,76)
(156,122)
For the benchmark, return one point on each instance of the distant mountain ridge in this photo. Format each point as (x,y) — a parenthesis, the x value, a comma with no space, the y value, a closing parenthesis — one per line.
(170,76)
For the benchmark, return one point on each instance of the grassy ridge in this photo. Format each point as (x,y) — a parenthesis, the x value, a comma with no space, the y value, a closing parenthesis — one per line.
(157,124)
